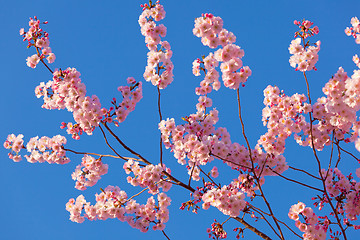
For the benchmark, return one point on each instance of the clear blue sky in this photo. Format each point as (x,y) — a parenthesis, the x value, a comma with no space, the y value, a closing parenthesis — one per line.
(102,40)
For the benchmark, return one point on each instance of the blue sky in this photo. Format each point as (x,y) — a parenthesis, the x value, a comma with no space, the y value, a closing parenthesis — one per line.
(102,40)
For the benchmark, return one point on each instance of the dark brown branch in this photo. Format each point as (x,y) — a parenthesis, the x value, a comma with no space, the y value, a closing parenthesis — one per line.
(100,155)
(38,53)
(253,229)
(192,170)
(142,159)
(318,161)
(243,129)
(110,145)
(259,210)
(225,160)
(338,144)
(301,170)
(165,235)
(292,180)
(331,155)
(126,147)
(160,115)
(209,177)
(253,168)
(264,218)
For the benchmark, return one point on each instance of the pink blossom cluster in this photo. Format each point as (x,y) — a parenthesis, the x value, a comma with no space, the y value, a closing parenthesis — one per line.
(67,91)
(200,142)
(356,60)
(15,143)
(131,96)
(247,184)
(211,80)
(217,231)
(336,113)
(38,38)
(341,187)
(159,69)
(354,30)
(214,172)
(303,58)
(209,28)
(194,140)
(306,29)
(282,117)
(89,172)
(38,148)
(41,149)
(150,176)
(230,201)
(194,145)
(342,101)
(230,56)
(114,203)
(311,228)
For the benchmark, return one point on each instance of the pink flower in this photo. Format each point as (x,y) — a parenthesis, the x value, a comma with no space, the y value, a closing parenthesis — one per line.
(33,61)
(51,58)
(214,172)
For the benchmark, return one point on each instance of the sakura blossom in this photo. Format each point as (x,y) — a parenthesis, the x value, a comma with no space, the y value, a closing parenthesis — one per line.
(206,151)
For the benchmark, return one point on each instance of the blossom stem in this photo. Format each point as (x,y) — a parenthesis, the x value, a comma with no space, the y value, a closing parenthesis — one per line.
(243,128)
(253,229)
(209,177)
(100,155)
(258,210)
(125,146)
(301,170)
(264,218)
(292,180)
(160,115)
(338,144)
(253,168)
(109,143)
(146,161)
(225,160)
(319,165)
(192,171)
(42,60)
(165,235)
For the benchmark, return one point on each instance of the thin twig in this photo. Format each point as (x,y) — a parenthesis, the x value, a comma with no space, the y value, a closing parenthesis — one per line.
(100,155)
(142,159)
(143,190)
(318,161)
(126,147)
(251,228)
(243,129)
(38,53)
(331,154)
(192,170)
(209,177)
(226,221)
(259,210)
(263,217)
(160,115)
(338,144)
(107,142)
(253,168)
(291,180)
(225,160)
(165,235)
(339,157)
(301,170)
